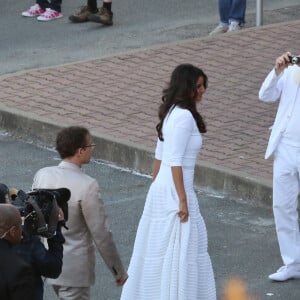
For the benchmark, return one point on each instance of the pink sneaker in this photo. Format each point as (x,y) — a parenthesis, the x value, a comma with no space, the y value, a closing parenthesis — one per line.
(49,15)
(33,11)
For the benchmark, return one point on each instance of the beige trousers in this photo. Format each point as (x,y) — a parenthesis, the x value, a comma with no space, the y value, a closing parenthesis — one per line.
(71,293)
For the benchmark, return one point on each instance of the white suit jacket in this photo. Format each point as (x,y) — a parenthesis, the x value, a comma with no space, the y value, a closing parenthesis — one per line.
(87,225)
(284,88)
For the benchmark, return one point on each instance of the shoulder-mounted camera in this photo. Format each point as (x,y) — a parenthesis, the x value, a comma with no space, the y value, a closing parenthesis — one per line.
(40,210)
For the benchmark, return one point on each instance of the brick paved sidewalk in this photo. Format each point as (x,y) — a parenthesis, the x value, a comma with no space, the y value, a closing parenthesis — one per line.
(117,97)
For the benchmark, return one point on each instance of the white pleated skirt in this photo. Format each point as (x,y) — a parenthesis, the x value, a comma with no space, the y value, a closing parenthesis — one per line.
(170,259)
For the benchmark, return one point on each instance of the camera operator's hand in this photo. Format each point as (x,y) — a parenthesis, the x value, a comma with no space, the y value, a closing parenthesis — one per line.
(122,279)
(61,216)
(282,62)
(61,220)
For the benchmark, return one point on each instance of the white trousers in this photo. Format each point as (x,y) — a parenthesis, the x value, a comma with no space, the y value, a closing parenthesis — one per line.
(286,184)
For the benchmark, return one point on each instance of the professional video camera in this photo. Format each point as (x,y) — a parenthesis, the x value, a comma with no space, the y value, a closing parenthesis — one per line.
(40,210)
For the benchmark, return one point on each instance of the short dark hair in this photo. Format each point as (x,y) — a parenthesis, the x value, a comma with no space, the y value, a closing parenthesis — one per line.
(70,139)
(4,191)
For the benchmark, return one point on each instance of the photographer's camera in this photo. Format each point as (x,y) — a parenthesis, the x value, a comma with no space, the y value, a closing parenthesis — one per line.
(293,59)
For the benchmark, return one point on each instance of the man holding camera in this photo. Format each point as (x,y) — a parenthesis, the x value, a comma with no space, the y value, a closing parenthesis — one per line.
(44,262)
(283,83)
(87,220)
(16,276)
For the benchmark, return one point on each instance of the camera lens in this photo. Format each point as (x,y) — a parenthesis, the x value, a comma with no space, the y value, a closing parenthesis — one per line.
(294,59)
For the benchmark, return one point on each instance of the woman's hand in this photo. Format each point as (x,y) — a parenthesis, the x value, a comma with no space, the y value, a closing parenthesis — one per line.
(183,211)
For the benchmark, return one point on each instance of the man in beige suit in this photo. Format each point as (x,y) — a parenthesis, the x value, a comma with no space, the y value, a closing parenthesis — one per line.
(87,220)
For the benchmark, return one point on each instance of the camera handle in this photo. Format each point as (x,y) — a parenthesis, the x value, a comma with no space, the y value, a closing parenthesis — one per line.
(42,225)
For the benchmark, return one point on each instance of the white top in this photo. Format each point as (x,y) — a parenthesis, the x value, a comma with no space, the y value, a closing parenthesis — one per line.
(182,139)
(291,135)
(286,127)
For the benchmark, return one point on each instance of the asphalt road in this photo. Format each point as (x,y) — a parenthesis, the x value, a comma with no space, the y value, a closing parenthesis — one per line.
(242,240)
(26,43)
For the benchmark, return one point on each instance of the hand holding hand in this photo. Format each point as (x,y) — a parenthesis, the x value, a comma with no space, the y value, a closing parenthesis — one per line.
(122,279)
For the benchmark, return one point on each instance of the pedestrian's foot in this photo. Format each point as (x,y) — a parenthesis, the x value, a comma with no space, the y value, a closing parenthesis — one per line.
(221,28)
(33,11)
(285,273)
(103,16)
(234,26)
(49,15)
(81,15)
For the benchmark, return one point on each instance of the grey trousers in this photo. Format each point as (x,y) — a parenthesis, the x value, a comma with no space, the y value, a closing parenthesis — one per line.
(71,293)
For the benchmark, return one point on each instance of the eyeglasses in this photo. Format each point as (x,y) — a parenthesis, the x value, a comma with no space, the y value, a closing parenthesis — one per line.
(90,145)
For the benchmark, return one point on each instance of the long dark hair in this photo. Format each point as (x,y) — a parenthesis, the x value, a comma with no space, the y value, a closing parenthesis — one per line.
(182,87)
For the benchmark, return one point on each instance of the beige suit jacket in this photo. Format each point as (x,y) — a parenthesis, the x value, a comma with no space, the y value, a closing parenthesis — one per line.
(87,225)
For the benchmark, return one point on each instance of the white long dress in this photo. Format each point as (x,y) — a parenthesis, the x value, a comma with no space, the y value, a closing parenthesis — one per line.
(170,259)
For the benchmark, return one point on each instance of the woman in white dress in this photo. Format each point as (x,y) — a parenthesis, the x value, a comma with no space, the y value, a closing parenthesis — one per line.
(170,259)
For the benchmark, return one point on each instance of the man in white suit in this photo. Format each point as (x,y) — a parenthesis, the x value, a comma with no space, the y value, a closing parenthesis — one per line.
(283,83)
(87,220)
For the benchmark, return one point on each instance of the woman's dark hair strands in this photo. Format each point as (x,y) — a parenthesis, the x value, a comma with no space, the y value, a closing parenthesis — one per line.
(182,86)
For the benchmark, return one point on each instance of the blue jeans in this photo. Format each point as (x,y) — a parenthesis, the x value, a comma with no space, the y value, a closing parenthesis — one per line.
(232,10)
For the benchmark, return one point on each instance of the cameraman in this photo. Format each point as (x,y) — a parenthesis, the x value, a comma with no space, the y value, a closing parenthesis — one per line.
(47,263)
(16,276)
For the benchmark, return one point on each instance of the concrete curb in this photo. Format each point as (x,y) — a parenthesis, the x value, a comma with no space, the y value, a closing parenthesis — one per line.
(256,191)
